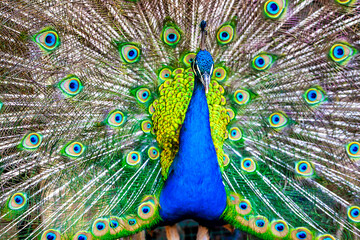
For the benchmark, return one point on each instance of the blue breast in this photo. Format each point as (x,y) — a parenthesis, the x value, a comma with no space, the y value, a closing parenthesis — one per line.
(194,188)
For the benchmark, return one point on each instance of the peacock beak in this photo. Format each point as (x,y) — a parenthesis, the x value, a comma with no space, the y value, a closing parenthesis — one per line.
(206,81)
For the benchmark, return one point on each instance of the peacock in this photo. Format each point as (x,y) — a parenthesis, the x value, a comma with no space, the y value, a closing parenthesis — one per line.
(118,116)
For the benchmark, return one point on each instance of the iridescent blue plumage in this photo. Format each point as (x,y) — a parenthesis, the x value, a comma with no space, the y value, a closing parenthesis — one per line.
(194,188)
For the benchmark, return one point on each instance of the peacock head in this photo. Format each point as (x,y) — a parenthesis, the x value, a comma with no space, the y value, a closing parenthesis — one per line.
(203,67)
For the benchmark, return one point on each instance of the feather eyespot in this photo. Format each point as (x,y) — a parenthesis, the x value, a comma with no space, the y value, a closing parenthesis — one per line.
(146,210)
(225,34)
(262,62)
(275,8)
(82,235)
(242,97)
(279,228)
(244,207)
(130,53)
(48,40)
(301,233)
(341,53)
(326,237)
(235,134)
(51,234)
(165,74)
(231,113)
(153,153)
(115,119)
(133,158)
(220,74)
(146,126)
(17,201)
(100,227)
(278,120)
(304,168)
(171,36)
(132,221)
(188,59)
(248,165)
(259,224)
(74,149)
(354,214)
(314,96)
(353,150)
(143,95)
(235,198)
(71,86)
(116,225)
(152,109)
(226,160)
(31,141)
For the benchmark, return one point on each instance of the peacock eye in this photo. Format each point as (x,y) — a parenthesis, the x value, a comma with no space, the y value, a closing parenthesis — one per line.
(115,119)
(280,227)
(132,221)
(304,168)
(260,223)
(31,141)
(146,210)
(100,227)
(74,149)
(225,34)
(274,8)
(153,153)
(51,234)
(301,233)
(341,53)
(244,207)
(143,95)
(231,113)
(235,134)
(82,237)
(114,224)
(17,201)
(314,96)
(248,165)
(71,86)
(165,74)
(242,97)
(220,74)
(278,120)
(326,237)
(354,214)
(130,53)
(48,40)
(188,59)
(226,160)
(133,158)
(146,126)
(262,62)
(171,36)
(353,149)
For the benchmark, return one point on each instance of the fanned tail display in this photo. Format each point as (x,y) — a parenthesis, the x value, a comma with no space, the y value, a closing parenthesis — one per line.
(118,116)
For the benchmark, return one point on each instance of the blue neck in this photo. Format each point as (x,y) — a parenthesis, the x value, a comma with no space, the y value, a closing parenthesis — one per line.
(194,188)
